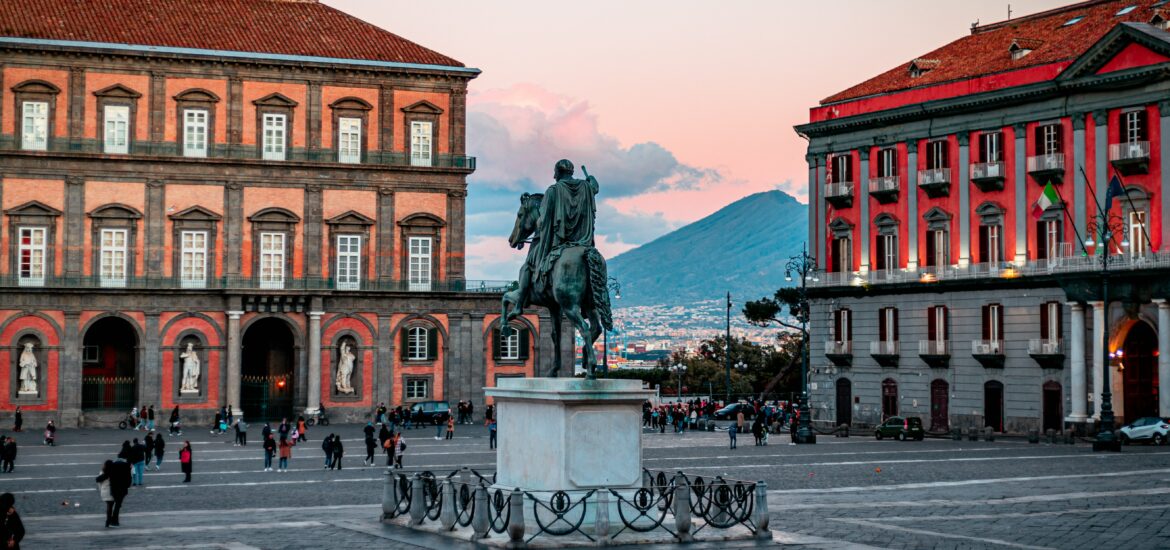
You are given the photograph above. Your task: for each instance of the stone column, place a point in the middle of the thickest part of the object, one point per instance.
(1077, 176)
(814, 222)
(964, 200)
(864, 222)
(233, 359)
(1098, 361)
(312, 230)
(1163, 356)
(314, 385)
(820, 209)
(1077, 353)
(1164, 145)
(912, 205)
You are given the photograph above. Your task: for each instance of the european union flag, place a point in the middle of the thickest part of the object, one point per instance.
(1115, 190)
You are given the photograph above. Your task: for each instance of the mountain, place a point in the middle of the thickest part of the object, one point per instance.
(742, 248)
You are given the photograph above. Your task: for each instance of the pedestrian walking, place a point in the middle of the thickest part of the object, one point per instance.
(17, 420)
(731, 431)
(371, 443)
(327, 446)
(174, 422)
(269, 452)
(50, 434)
(266, 431)
(758, 431)
(103, 482)
(338, 452)
(285, 454)
(407, 418)
(11, 528)
(242, 432)
(386, 440)
(159, 448)
(400, 448)
(492, 434)
(230, 416)
(120, 479)
(9, 454)
(150, 418)
(148, 442)
(450, 428)
(137, 461)
(185, 461)
(302, 430)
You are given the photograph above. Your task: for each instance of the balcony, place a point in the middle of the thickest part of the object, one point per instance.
(884, 352)
(1047, 352)
(935, 353)
(840, 353)
(989, 353)
(1130, 158)
(884, 189)
(244, 284)
(988, 176)
(1045, 168)
(840, 194)
(935, 181)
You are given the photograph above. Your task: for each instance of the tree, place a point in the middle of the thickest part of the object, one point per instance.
(768, 311)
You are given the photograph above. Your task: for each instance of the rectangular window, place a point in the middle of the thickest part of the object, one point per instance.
(117, 136)
(420, 143)
(887, 252)
(938, 248)
(888, 163)
(936, 324)
(1138, 245)
(195, 133)
(417, 388)
(419, 263)
(1048, 139)
(349, 262)
(842, 256)
(991, 244)
(274, 136)
(936, 155)
(193, 259)
(1133, 126)
(1048, 235)
(1050, 322)
(510, 344)
(32, 256)
(888, 328)
(272, 260)
(990, 147)
(416, 344)
(349, 140)
(34, 134)
(842, 325)
(842, 168)
(993, 322)
(113, 257)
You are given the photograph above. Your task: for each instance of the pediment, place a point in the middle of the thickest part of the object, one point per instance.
(33, 208)
(196, 213)
(197, 95)
(352, 103)
(1127, 46)
(840, 224)
(117, 90)
(36, 87)
(274, 214)
(936, 214)
(884, 219)
(115, 210)
(423, 107)
(275, 100)
(423, 219)
(350, 218)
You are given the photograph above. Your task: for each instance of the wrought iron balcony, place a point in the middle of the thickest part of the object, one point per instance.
(988, 176)
(1044, 168)
(839, 194)
(884, 189)
(988, 352)
(935, 353)
(935, 181)
(1130, 158)
(884, 352)
(1047, 352)
(840, 353)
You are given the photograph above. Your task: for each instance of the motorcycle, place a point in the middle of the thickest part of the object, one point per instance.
(130, 422)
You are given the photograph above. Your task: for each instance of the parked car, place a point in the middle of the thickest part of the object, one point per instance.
(729, 412)
(1151, 428)
(435, 412)
(900, 428)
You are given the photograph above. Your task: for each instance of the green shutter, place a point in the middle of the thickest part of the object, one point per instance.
(403, 339)
(432, 343)
(496, 344)
(524, 344)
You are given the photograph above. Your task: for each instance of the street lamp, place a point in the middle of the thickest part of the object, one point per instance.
(616, 287)
(803, 266)
(680, 370)
(727, 352)
(1103, 226)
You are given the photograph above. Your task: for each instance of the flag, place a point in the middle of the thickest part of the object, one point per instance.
(1048, 197)
(1115, 190)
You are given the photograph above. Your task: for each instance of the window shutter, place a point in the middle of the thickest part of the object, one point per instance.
(880, 250)
(882, 324)
(946, 157)
(837, 325)
(986, 316)
(930, 155)
(946, 322)
(984, 246)
(1059, 138)
(931, 324)
(1044, 321)
(1041, 241)
(895, 324)
(404, 339)
(999, 322)
(849, 324)
(1059, 322)
(524, 343)
(496, 336)
(1123, 127)
(432, 343)
(1142, 126)
(930, 252)
(1038, 140)
(835, 257)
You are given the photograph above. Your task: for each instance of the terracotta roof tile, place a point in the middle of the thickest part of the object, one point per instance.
(287, 27)
(985, 50)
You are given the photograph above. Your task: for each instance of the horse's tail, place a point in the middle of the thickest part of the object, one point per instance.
(599, 283)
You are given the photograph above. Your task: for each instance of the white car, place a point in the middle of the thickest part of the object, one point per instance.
(1150, 428)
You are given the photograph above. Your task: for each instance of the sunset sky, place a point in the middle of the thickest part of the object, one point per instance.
(678, 107)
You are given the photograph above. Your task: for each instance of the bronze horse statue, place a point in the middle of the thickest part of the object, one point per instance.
(574, 288)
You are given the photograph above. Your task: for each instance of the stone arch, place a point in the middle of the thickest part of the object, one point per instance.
(215, 325)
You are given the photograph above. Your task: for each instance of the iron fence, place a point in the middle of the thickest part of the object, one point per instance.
(108, 392)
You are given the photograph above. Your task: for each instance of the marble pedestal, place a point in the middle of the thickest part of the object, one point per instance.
(564, 434)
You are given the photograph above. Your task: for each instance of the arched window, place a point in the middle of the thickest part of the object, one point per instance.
(419, 343)
(512, 344)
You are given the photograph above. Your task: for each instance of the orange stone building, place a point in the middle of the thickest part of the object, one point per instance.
(205, 203)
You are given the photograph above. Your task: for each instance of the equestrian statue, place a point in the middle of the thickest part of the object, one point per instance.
(563, 271)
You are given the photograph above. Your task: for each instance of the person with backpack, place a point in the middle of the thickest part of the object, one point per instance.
(492, 433)
(159, 448)
(285, 454)
(269, 451)
(338, 452)
(185, 461)
(327, 446)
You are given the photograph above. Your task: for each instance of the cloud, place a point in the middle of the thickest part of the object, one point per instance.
(518, 133)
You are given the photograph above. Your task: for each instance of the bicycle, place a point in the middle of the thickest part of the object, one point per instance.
(129, 421)
(316, 419)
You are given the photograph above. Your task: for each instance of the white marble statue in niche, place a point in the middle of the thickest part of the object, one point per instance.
(28, 370)
(190, 370)
(345, 360)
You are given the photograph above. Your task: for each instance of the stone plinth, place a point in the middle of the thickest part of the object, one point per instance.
(568, 433)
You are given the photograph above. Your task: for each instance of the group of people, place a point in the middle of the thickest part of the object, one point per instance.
(126, 470)
(464, 410)
(143, 417)
(272, 447)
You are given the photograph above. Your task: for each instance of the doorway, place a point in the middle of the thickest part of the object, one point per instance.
(993, 405)
(889, 398)
(1139, 373)
(267, 374)
(844, 402)
(109, 367)
(939, 405)
(1053, 409)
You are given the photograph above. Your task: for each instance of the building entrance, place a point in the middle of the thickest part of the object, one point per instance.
(109, 368)
(939, 405)
(267, 375)
(1139, 373)
(844, 402)
(1053, 411)
(993, 405)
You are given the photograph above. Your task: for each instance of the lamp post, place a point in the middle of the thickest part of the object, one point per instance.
(616, 287)
(1102, 227)
(727, 352)
(803, 266)
(680, 370)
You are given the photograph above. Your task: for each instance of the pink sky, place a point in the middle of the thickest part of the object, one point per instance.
(719, 85)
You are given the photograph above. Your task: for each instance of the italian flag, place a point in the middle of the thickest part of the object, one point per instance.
(1048, 197)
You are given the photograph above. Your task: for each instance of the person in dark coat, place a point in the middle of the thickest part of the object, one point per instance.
(269, 451)
(338, 452)
(124, 454)
(17, 420)
(327, 446)
(159, 448)
(371, 443)
(185, 461)
(137, 461)
(148, 442)
(385, 436)
(120, 479)
(11, 528)
(9, 454)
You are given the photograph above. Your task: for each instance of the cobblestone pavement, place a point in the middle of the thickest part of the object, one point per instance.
(840, 493)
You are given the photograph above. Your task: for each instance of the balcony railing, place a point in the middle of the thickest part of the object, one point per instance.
(1044, 167)
(1045, 346)
(839, 348)
(933, 347)
(986, 347)
(935, 181)
(839, 194)
(883, 347)
(323, 284)
(884, 189)
(988, 176)
(1130, 158)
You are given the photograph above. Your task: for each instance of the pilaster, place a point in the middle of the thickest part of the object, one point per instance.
(312, 231)
(912, 205)
(863, 223)
(74, 227)
(314, 377)
(1076, 349)
(478, 362)
(235, 112)
(385, 230)
(155, 227)
(456, 222)
(69, 371)
(314, 115)
(76, 107)
(1163, 358)
(384, 374)
(233, 228)
(814, 199)
(150, 381)
(1164, 146)
(1020, 131)
(964, 200)
(158, 105)
(233, 359)
(1098, 360)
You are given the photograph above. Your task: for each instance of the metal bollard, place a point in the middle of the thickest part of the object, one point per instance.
(480, 520)
(956, 434)
(1033, 436)
(389, 495)
(1069, 437)
(710, 425)
(465, 475)
(447, 507)
(761, 512)
(418, 508)
(516, 521)
(988, 433)
(601, 518)
(972, 434)
(1051, 434)
(682, 510)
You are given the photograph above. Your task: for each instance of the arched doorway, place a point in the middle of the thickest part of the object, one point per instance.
(109, 365)
(940, 405)
(993, 405)
(889, 398)
(1140, 373)
(1053, 399)
(267, 373)
(844, 402)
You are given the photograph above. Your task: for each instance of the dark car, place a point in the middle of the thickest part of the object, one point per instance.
(435, 412)
(729, 412)
(900, 428)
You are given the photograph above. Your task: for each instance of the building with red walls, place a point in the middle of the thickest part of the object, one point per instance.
(943, 293)
(263, 181)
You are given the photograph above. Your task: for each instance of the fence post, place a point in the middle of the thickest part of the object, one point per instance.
(516, 521)
(418, 508)
(480, 518)
(682, 509)
(465, 475)
(601, 518)
(761, 511)
(447, 508)
(389, 496)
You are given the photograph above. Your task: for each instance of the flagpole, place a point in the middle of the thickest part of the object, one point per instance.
(1101, 211)
(1064, 207)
